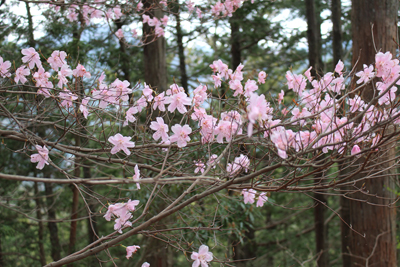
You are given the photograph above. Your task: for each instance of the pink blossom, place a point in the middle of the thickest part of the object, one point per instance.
(207, 125)
(4, 66)
(121, 143)
(41, 77)
(257, 110)
(31, 57)
(200, 166)
(212, 161)
(139, 6)
(280, 96)
(67, 98)
(159, 102)
(262, 198)
(148, 92)
(250, 87)
(382, 63)
(198, 114)
(308, 74)
(57, 59)
(80, 71)
(366, 74)
(161, 129)
(199, 13)
(202, 257)
(261, 77)
(117, 12)
(240, 163)
(120, 90)
(355, 150)
(181, 134)
(134, 33)
(119, 34)
(296, 82)
(146, 264)
(236, 86)
(129, 115)
(178, 101)
(136, 177)
(72, 16)
(83, 107)
(164, 20)
(249, 195)
(62, 75)
(190, 6)
(131, 250)
(200, 95)
(174, 89)
(339, 67)
(42, 157)
(20, 74)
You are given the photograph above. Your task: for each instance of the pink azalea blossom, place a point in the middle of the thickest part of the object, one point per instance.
(178, 101)
(131, 250)
(139, 6)
(67, 98)
(308, 74)
(129, 115)
(202, 257)
(164, 20)
(181, 134)
(212, 161)
(159, 102)
(200, 166)
(280, 96)
(250, 87)
(120, 90)
(57, 59)
(146, 264)
(261, 77)
(148, 92)
(136, 177)
(339, 67)
(20, 74)
(240, 163)
(161, 129)
(249, 195)
(31, 57)
(262, 198)
(4, 66)
(119, 34)
(236, 86)
(366, 74)
(42, 77)
(355, 150)
(80, 71)
(83, 107)
(121, 143)
(42, 157)
(62, 75)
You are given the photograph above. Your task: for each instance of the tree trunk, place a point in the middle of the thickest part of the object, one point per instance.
(336, 18)
(313, 38)
(235, 41)
(124, 57)
(53, 229)
(155, 66)
(372, 215)
(181, 52)
(42, 254)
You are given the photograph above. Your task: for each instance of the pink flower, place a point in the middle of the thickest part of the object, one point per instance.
(32, 57)
(80, 71)
(42, 157)
(200, 166)
(119, 34)
(236, 86)
(161, 129)
(83, 107)
(20, 74)
(240, 163)
(261, 77)
(202, 257)
(121, 143)
(131, 250)
(62, 75)
(355, 150)
(164, 20)
(159, 102)
(308, 74)
(339, 67)
(67, 97)
(366, 74)
(129, 115)
(148, 92)
(249, 195)
(178, 101)
(280, 96)
(139, 6)
(4, 66)
(181, 134)
(57, 59)
(262, 198)
(120, 90)
(250, 87)
(136, 177)
(146, 264)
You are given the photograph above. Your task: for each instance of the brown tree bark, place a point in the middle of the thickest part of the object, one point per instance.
(236, 54)
(181, 52)
(313, 37)
(336, 17)
(374, 25)
(42, 254)
(53, 229)
(155, 66)
(124, 57)
(315, 61)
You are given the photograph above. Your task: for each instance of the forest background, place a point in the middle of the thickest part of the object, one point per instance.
(44, 222)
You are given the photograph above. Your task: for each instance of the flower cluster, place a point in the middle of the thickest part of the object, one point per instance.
(122, 213)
